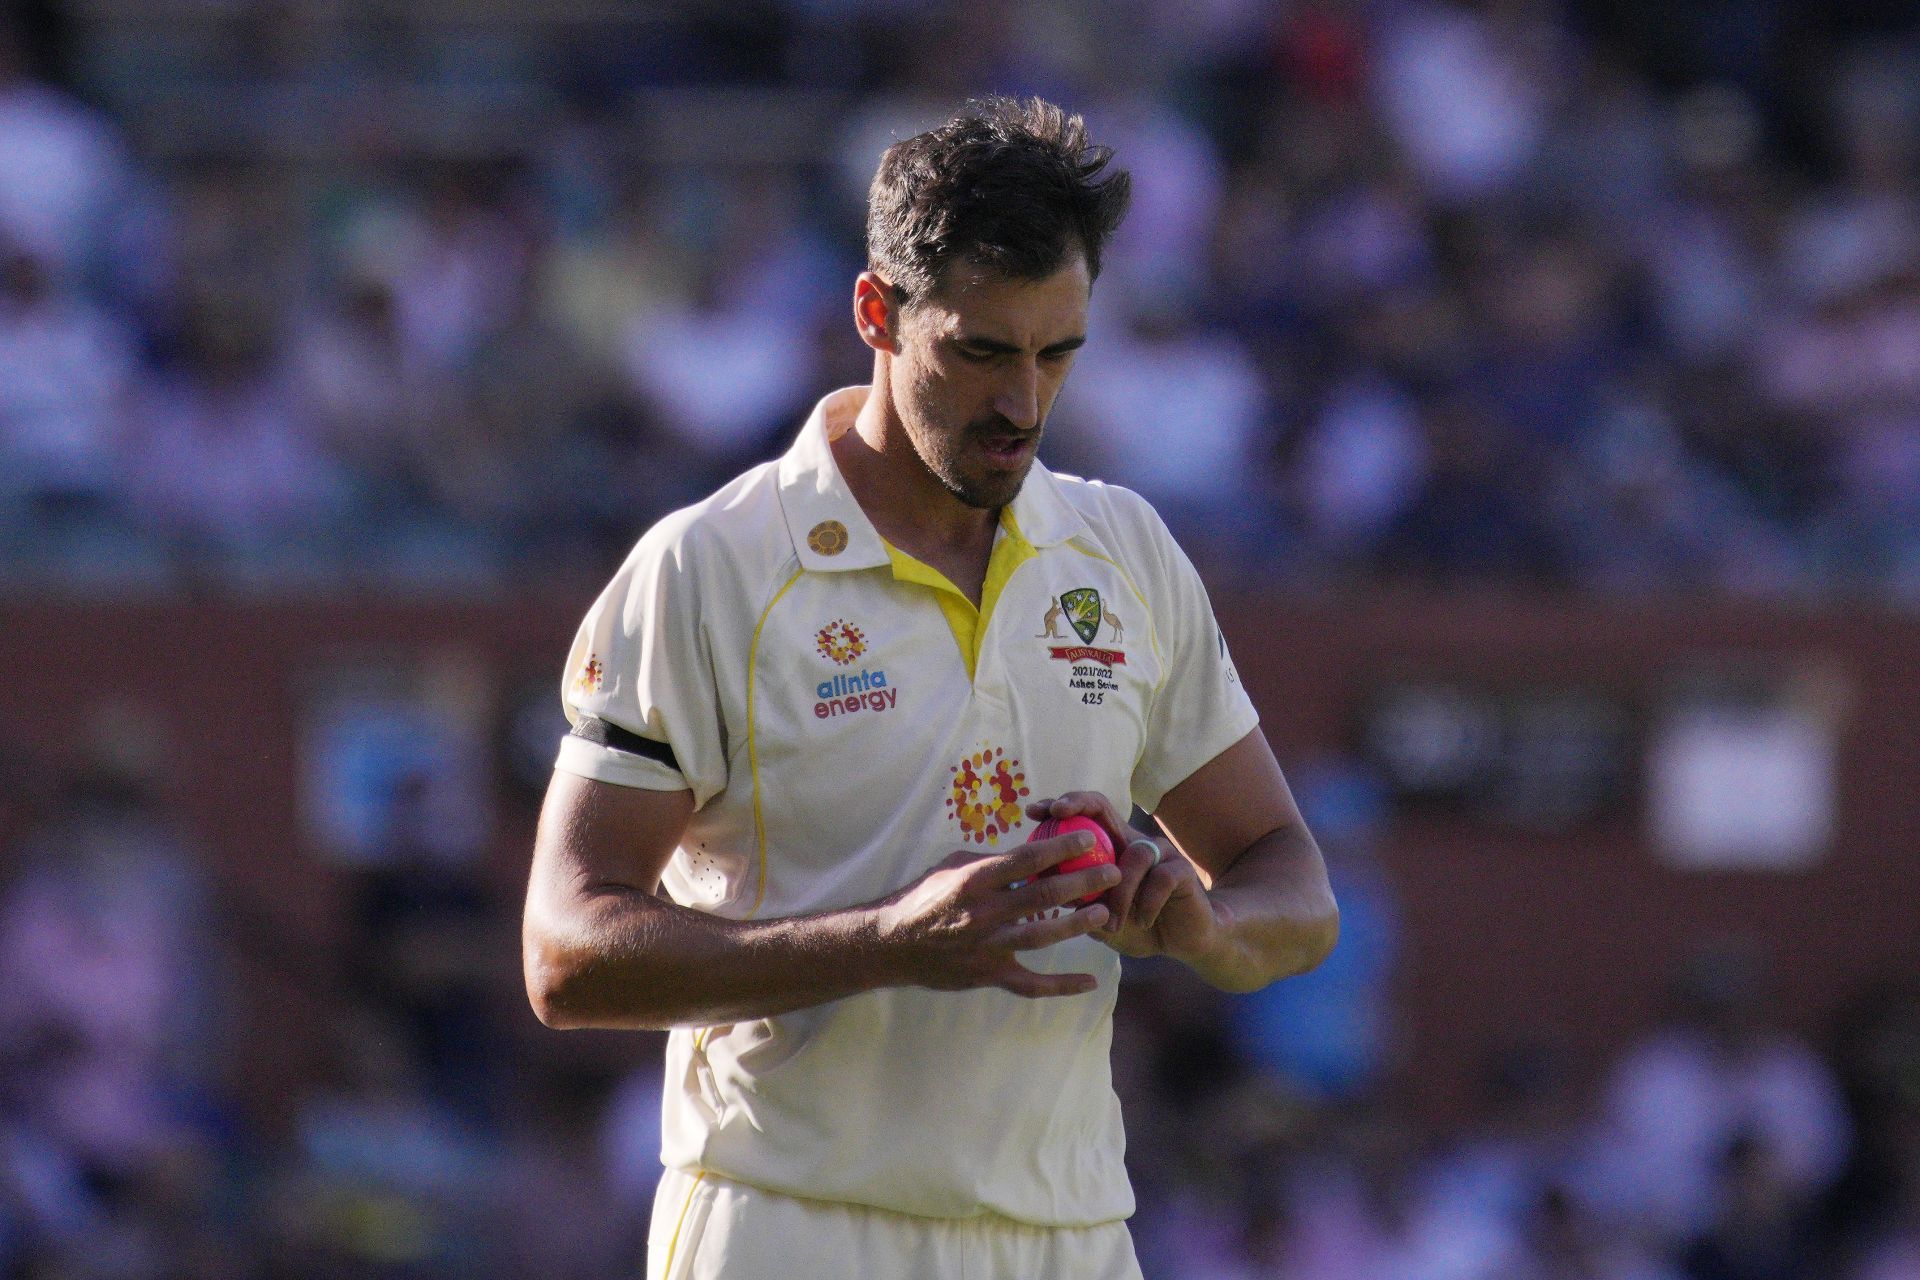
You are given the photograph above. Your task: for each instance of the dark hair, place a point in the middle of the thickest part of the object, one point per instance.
(1011, 186)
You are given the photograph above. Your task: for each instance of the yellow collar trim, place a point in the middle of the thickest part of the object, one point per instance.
(968, 624)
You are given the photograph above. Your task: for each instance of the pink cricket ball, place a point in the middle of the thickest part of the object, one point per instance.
(1102, 850)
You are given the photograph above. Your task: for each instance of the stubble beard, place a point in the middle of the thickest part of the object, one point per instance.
(944, 452)
(944, 458)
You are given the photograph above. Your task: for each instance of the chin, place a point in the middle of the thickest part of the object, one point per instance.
(987, 494)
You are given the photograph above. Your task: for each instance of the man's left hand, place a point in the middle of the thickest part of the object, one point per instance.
(1160, 906)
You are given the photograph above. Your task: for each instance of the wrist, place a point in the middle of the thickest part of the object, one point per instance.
(1216, 954)
(879, 952)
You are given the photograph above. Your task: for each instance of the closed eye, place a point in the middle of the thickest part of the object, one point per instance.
(979, 352)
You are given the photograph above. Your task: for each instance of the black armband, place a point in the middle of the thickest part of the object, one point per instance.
(605, 734)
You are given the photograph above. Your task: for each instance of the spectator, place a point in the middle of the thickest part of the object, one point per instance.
(720, 367)
(1330, 1034)
(107, 1066)
(451, 258)
(1760, 1227)
(1563, 1241)
(1717, 1118)
(1178, 414)
(421, 941)
(382, 1179)
(63, 168)
(226, 464)
(1473, 517)
(1466, 91)
(66, 370)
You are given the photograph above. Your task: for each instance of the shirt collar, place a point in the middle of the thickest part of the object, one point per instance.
(829, 530)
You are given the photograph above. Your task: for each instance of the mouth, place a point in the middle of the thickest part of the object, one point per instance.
(1009, 451)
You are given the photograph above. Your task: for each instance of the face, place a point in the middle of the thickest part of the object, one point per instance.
(975, 372)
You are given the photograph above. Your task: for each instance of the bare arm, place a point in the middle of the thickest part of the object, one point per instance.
(601, 948)
(1243, 899)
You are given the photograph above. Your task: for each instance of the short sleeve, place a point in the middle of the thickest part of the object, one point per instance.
(640, 689)
(1201, 708)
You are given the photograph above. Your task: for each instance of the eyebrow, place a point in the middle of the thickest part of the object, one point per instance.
(994, 347)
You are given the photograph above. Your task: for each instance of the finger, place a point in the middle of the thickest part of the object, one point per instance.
(1155, 892)
(1090, 804)
(1096, 806)
(1069, 805)
(1137, 859)
(1030, 859)
(1023, 981)
(1087, 804)
(1033, 933)
(1048, 892)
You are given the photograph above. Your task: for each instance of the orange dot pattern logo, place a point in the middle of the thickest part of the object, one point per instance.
(590, 674)
(985, 795)
(840, 641)
(828, 538)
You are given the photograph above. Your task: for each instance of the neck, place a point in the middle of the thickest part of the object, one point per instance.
(908, 506)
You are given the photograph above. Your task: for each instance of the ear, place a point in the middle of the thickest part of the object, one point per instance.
(876, 312)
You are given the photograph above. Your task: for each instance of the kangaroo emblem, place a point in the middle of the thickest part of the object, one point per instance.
(1053, 624)
(1113, 620)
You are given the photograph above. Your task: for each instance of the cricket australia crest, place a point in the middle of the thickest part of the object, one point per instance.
(1086, 613)
(1083, 611)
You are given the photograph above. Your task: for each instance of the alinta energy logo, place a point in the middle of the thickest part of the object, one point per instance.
(985, 793)
(840, 641)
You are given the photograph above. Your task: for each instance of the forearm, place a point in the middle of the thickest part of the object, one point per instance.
(620, 958)
(601, 949)
(1275, 914)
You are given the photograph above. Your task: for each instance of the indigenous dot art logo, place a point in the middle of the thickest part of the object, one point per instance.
(840, 641)
(828, 538)
(985, 795)
(589, 681)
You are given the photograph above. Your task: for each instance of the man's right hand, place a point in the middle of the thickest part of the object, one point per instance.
(603, 949)
(960, 925)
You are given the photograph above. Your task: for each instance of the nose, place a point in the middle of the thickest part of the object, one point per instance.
(1017, 398)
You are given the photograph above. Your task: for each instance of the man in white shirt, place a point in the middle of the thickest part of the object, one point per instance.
(823, 711)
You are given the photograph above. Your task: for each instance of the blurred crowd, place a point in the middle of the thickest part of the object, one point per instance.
(443, 1133)
(1622, 297)
(1269, 1139)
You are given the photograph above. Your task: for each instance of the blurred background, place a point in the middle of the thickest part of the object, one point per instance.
(1537, 383)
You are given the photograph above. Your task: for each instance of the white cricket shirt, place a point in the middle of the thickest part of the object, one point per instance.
(845, 719)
